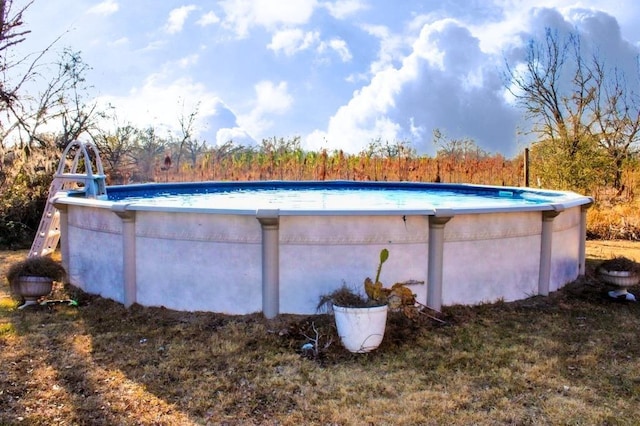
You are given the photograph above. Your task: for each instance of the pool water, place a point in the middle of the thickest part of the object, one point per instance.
(341, 198)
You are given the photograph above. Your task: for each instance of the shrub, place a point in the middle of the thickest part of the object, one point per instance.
(22, 201)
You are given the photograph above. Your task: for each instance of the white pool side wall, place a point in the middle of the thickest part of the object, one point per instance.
(95, 261)
(320, 253)
(213, 262)
(491, 256)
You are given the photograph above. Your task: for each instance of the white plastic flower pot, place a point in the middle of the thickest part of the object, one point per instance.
(361, 329)
(31, 288)
(621, 279)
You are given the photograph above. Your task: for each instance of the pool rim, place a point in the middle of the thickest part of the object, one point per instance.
(566, 199)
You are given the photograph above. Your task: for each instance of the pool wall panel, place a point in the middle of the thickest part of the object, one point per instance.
(319, 253)
(565, 248)
(208, 263)
(491, 256)
(95, 265)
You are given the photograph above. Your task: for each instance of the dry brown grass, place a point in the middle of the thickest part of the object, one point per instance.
(614, 221)
(570, 358)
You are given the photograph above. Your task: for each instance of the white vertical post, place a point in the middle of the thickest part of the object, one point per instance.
(436, 258)
(583, 238)
(546, 240)
(128, 252)
(270, 223)
(63, 211)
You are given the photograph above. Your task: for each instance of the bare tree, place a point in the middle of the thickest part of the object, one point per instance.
(194, 149)
(77, 115)
(148, 148)
(555, 89)
(17, 108)
(12, 33)
(578, 105)
(61, 88)
(187, 127)
(457, 150)
(63, 99)
(117, 148)
(616, 114)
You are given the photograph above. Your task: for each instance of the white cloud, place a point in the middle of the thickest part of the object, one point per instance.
(177, 18)
(160, 103)
(392, 47)
(451, 79)
(122, 41)
(364, 118)
(271, 99)
(445, 82)
(105, 8)
(188, 61)
(154, 45)
(292, 41)
(236, 134)
(208, 18)
(342, 9)
(242, 15)
(339, 46)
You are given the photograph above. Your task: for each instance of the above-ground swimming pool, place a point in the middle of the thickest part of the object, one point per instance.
(276, 246)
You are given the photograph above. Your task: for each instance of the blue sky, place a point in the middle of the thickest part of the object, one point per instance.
(337, 73)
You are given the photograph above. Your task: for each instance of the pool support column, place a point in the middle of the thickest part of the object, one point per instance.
(582, 261)
(63, 211)
(436, 257)
(128, 252)
(546, 240)
(270, 223)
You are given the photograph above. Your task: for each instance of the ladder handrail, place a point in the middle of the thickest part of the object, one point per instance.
(80, 151)
(48, 235)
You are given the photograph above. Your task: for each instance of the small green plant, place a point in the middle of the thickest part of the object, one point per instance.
(398, 296)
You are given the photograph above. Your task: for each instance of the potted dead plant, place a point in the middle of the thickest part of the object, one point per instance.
(33, 278)
(361, 319)
(621, 272)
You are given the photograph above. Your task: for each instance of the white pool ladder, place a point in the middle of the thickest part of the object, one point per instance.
(87, 185)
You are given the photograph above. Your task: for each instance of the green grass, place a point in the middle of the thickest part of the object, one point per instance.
(570, 358)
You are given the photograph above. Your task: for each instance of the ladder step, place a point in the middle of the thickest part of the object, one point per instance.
(47, 251)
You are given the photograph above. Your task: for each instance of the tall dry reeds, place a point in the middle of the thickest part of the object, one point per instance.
(337, 165)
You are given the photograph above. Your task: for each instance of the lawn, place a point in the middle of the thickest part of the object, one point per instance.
(570, 358)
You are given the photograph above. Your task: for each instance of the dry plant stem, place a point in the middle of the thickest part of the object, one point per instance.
(315, 341)
(423, 307)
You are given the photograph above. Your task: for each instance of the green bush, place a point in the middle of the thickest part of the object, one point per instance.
(22, 202)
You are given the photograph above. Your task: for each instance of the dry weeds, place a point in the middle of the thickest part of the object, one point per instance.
(570, 358)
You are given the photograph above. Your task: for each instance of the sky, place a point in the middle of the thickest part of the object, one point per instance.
(339, 74)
